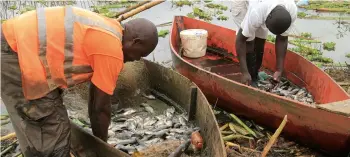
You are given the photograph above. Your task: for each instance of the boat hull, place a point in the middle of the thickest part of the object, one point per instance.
(327, 131)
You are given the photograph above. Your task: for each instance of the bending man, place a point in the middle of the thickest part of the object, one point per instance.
(48, 49)
(254, 19)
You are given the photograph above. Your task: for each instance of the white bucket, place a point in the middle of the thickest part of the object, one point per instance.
(194, 42)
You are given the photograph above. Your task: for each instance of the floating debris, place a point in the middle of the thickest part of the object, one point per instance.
(163, 33)
(329, 46)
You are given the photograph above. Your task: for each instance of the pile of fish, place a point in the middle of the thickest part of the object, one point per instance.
(135, 129)
(284, 88)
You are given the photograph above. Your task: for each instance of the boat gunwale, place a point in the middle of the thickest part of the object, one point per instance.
(175, 52)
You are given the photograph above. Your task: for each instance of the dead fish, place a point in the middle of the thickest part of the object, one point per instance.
(160, 123)
(179, 131)
(147, 108)
(309, 100)
(170, 112)
(169, 123)
(119, 119)
(153, 141)
(160, 117)
(182, 120)
(128, 141)
(170, 138)
(126, 148)
(128, 111)
(160, 133)
(161, 127)
(301, 92)
(294, 91)
(111, 133)
(131, 124)
(149, 121)
(145, 138)
(177, 125)
(140, 147)
(119, 127)
(284, 92)
(290, 89)
(150, 97)
(124, 135)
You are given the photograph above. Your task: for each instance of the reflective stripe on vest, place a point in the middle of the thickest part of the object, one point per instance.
(69, 20)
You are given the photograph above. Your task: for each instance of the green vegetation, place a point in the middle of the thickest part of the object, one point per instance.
(329, 46)
(208, 1)
(271, 38)
(301, 14)
(306, 35)
(219, 12)
(163, 33)
(307, 47)
(216, 6)
(197, 12)
(181, 3)
(347, 55)
(330, 6)
(13, 7)
(26, 9)
(222, 18)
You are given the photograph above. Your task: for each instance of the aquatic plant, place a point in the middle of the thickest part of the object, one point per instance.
(202, 14)
(301, 14)
(329, 6)
(191, 15)
(347, 55)
(329, 46)
(222, 18)
(216, 6)
(306, 35)
(13, 7)
(181, 3)
(208, 1)
(163, 33)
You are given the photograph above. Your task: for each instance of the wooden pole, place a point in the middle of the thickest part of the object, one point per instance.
(274, 137)
(131, 8)
(139, 9)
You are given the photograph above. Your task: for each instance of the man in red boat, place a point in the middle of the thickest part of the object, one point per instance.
(255, 18)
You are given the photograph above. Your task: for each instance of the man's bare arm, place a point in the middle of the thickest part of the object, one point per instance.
(99, 112)
(281, 49)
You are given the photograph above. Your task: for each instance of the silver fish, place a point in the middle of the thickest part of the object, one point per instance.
(131, 124)
(111, 133)
(160, 117)
(145, 138)
(140, 147)
(128, 111)
(149, 121)
(147, 108)
(153, 141)
(182, 120)
(124, 135)
(170, 112)
(160, 123)
(294, 91)
(169, 123)
(179, 131)
(128, 141)
(160, 133)
(150, 97)
(177, 125)
(170, 138)
(126, 148)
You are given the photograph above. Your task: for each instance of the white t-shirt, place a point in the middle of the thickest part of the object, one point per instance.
(257, 12)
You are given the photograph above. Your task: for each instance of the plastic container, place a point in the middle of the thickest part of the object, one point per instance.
(194, 42)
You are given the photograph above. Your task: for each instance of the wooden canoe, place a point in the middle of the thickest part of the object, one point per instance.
(166, 85)
(325, 126)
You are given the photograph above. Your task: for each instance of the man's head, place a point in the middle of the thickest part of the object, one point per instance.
(140, 39)
(279, 20)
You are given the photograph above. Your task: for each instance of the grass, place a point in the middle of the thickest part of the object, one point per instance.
(163, 33)
(216, 6)
(26, 9)
(208, 1)
(329, 46)
(271, 38)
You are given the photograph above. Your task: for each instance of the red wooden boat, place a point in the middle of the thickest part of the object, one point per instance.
(325, 126)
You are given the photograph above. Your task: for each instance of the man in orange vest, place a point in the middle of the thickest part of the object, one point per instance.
(48, 49)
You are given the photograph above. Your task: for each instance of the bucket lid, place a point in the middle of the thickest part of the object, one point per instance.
(196, 32)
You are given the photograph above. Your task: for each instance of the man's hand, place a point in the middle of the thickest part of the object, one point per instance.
(246, 79)
(277, 76)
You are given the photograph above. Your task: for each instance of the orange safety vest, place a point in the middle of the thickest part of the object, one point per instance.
(48, 42)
